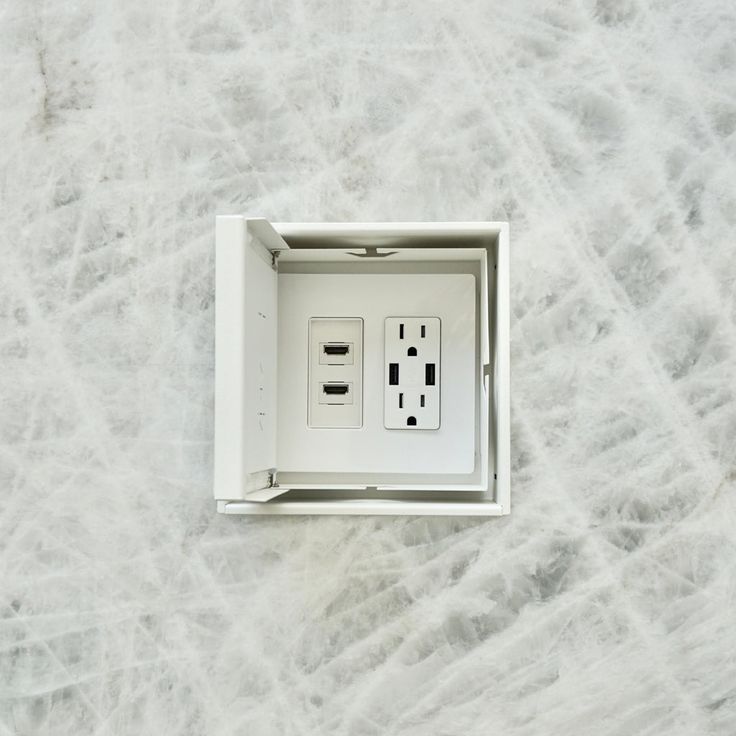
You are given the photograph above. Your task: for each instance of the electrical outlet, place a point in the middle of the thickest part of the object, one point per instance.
(412, 373)
(335, 373)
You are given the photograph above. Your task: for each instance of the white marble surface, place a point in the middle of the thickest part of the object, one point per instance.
(604, 132)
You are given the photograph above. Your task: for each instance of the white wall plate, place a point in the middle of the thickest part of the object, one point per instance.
(322, 405)
(302, 447)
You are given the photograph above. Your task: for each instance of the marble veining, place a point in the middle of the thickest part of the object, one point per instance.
(604, 132)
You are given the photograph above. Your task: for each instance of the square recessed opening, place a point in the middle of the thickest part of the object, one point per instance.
(361, 368)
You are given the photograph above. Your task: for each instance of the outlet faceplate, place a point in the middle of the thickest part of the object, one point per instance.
(335, 373)
(374, 450)
(412, 372)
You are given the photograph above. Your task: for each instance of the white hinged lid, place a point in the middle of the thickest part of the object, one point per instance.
(246, 320)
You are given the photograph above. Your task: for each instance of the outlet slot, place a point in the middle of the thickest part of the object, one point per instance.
(411, 422)
(401, 331)
(335, 348)
(412, 352)
(336, 353)
(335, 389)
(335, 393)
(401, 401)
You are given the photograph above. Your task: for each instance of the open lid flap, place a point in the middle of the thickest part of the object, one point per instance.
(246, 361)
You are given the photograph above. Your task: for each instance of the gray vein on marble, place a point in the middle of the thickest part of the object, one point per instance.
(604, 132)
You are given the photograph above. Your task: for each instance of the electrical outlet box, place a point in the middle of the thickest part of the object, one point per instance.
(361, 368)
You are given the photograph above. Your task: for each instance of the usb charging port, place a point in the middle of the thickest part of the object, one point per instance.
(335, 389)
(429, 374)
(393, 374)
(336, 348)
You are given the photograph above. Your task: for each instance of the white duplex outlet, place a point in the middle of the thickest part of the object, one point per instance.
(412, 373)
(335, 373)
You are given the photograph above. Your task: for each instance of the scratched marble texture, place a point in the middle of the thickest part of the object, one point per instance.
(604, 132)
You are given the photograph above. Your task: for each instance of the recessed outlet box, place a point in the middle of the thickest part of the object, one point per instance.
(361, 368)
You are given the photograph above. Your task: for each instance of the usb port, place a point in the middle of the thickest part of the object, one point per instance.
(429, 374)
(393, 374)
(336, 348)
(335, 389)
